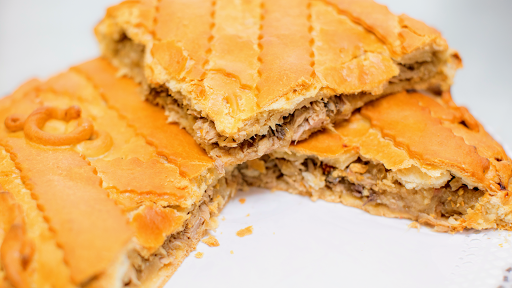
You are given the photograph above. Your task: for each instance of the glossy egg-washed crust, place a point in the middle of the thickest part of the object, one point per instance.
(70, 214)
(244, 64)
(431, 133)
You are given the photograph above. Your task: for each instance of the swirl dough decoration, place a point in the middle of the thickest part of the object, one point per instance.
(88, 141)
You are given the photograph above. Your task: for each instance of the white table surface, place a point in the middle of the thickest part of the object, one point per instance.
(297, 242)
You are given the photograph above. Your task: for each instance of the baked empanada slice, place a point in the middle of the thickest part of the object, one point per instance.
(97, 189)
(247, 77)
(408, 155)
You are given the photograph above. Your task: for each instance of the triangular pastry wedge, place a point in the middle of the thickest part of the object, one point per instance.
(247, 77)
(408, 155)
(97, 189)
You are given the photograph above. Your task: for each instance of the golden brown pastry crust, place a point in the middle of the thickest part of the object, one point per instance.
(244, 65)
(90, 204)
(430, 135)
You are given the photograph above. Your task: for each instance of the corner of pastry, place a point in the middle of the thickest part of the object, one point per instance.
(409, 155)
(99, 190)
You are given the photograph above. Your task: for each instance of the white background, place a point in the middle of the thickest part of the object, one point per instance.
(298, 243)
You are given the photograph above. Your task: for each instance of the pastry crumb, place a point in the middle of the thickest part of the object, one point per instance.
(414, 225)
(247, 215)
(211, 241)
(244, 232)
(231, 252)
(223, 218)
(199, 255)
(241, 200)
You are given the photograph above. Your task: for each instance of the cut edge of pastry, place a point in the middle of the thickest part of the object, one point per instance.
(41, 257)
(465, 186)
(125, 42)
(178, 246)
(130, 268)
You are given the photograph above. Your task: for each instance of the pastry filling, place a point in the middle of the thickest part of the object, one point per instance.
(177, 246)
(294, 127)
(281, 128)
(369, 182)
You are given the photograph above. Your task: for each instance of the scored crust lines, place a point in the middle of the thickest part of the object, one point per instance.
(210, 39)
(351, 17)
(331, 3)
(28, 187)
(260, 46)
(39, 206)
(312, 40)
(155, 19)
(150, 143)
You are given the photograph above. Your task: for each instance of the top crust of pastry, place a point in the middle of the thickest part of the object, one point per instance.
(172, 142)
(238, 62)
(128, 186)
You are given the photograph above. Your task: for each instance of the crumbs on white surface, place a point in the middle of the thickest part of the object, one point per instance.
(241, 200)
(414, 225)
(223, 218)
(199, 255)
(247, 215)
(244, 232)
(211, 241)
(231, 252)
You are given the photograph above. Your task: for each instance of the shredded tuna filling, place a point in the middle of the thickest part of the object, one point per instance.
(294, 127)
(282, 129)
(178, 245)
(372, 183)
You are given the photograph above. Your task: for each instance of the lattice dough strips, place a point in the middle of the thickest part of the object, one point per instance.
(407, 155)
(247, 77)
(97, 189)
